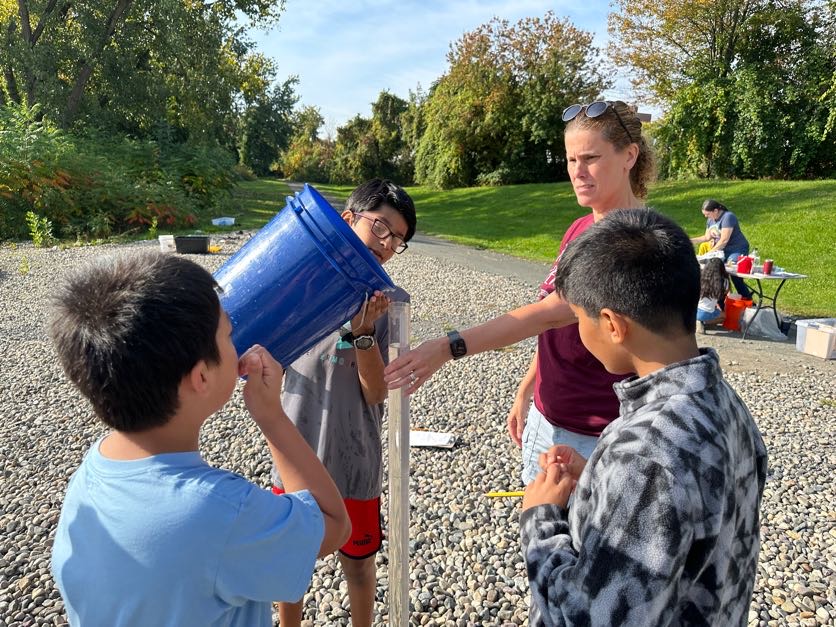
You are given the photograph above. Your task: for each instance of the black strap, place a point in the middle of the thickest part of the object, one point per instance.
(350, 337)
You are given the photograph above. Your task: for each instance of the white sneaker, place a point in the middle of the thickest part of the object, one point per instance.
(700, 327)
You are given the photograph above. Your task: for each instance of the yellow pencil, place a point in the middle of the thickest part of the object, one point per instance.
(498, 494)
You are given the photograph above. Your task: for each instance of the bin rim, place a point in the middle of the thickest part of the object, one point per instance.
(310, 194)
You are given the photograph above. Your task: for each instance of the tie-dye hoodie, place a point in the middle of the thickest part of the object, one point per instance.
(664, 526)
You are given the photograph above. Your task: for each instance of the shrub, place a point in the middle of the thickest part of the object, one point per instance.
(307, 160)
(40, 230)
(97, 185)
(244, 172)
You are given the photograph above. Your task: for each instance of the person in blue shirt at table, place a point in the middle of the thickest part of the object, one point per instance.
(722, 230)
(149, 533)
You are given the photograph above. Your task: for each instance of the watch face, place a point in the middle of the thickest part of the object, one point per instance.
(458, 348)
(364, 342)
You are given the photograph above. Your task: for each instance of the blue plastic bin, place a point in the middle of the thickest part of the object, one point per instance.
(298, 279)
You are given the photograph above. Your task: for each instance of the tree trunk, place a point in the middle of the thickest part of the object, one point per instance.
(74, 100)
(8, 71)
(26, 35)
(11, 84)
(36, 34)
(30, 38)
(25, 27)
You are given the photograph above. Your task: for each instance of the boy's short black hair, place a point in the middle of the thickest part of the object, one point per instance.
(128, 328)
(372, 194)
(639, 264)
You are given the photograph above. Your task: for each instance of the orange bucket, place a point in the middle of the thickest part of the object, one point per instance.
(734, 309)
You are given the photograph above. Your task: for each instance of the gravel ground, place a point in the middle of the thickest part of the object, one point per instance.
(466, 567)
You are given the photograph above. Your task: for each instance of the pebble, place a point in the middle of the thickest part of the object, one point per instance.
(465, 566)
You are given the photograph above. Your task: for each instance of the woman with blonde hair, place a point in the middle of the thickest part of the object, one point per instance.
(610, 165)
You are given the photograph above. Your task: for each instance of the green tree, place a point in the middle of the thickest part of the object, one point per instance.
(130, 64)
(745, 83)
(267, 126)
(666, 44)
(308, 158)
(307, 122)
(366, 148)
(494, 117)
(413, 126)
(356, 154)
(388, 118)
(785, 70)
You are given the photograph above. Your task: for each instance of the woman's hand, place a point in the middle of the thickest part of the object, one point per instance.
(725, 236)
(409, 371)
(516, 419)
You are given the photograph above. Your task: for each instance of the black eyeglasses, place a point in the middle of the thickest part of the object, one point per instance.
(594, 110)
(381, 230)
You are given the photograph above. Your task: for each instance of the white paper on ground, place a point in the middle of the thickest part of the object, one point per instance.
(434, 439)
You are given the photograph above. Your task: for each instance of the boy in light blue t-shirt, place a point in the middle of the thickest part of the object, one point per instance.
(149, 533)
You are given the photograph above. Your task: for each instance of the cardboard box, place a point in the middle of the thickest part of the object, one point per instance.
(817, 337)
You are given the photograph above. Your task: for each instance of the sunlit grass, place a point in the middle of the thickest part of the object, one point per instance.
(259, 200)
(791, 222)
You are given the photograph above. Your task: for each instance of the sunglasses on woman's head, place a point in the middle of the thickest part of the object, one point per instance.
(594, 110)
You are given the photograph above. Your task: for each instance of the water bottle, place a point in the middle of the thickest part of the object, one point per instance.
(756, 260)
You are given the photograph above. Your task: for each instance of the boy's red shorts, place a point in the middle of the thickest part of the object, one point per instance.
(366, 533)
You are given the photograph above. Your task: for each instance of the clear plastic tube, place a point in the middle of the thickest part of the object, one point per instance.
(399, 330)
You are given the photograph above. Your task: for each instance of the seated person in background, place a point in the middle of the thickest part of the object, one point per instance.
(722, 231)
(714, 285)
(664, 528)
(149, 533)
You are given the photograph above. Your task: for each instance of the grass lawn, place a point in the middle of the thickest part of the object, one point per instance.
(791, 222)
(260, 200)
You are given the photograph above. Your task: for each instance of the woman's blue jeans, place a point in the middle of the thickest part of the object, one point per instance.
(739, 284)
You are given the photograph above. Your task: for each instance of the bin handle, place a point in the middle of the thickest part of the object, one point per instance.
(327, 254)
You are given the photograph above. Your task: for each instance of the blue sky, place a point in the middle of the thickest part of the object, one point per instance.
(345, 52)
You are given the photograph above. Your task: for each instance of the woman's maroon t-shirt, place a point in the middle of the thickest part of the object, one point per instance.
(572, 389)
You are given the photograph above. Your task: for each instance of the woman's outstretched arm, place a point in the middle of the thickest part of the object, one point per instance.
(411, 370)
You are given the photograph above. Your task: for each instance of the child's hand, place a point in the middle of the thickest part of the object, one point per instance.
(552, 486)
(376, 307)
(262, 391)
(568, 458)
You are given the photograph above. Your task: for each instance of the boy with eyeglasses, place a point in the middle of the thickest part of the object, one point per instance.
(334, 395)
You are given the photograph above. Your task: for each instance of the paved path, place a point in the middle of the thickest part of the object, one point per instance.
(529, 272)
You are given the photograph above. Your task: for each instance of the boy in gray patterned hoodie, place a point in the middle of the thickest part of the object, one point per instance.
(663, 529)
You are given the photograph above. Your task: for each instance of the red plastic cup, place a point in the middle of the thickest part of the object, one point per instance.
(767, 266)
(744, 265)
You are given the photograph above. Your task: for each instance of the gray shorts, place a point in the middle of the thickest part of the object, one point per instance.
(540, 435)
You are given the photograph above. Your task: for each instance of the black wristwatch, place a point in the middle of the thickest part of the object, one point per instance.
(457, 346)
(360, 342)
